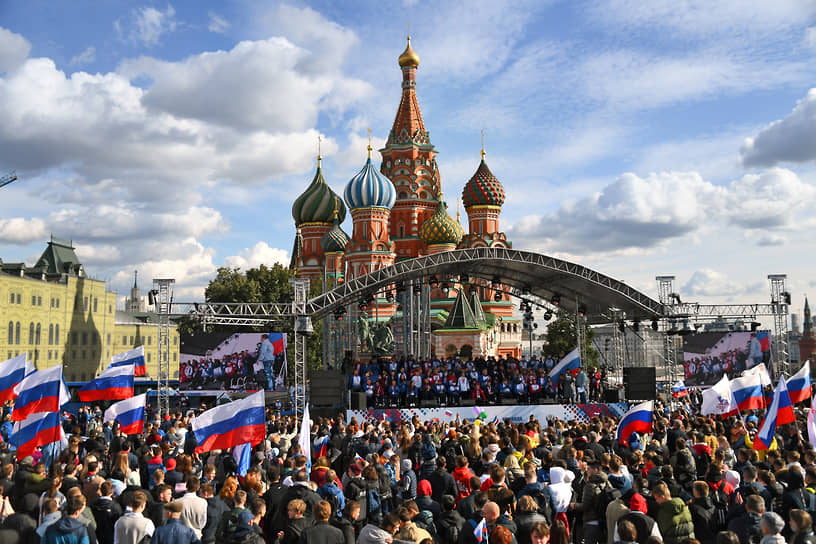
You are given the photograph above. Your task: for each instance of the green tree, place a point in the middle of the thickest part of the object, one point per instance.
(562, 338)
(262, 284)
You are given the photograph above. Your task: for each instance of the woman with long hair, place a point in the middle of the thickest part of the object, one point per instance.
(132, 477)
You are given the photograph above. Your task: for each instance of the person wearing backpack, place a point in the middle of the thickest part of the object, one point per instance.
(595, 486)
(373, 500)
(748, 527)
(535, 489)
(332, 493)
(450, 522)
(702, 513)
(720, 493)
(231, 521)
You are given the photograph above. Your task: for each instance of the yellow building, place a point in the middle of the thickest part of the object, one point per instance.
(57, 314)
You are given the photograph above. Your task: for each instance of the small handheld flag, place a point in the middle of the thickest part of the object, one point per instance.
(480, 531)
(779, 412)
(637, 420)
(679, 390)
(304, 440)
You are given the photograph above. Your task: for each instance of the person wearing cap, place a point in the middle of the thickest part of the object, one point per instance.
(173, 531)
(772, 525)
(408, 483)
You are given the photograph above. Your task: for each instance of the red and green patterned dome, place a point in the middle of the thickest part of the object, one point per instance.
(483, 189)
(441, 228)
(335, 240)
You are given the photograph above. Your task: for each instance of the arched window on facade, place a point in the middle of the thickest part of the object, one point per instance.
(38, 334)
(17, 333)
(31, 333)
(11, 333)
(56, 333)
(50, 334)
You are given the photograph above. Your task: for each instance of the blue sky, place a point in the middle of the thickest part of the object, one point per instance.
(638, 138)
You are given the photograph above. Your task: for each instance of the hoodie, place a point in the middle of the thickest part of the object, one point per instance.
(559, 490)
(674, 521)
(67, 530)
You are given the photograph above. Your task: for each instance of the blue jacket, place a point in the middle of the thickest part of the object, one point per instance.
(173, 532)
(66, 531)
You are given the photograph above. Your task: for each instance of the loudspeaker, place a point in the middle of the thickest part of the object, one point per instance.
(358, 401)
(327, 387)
(612, 395)
(640, 383)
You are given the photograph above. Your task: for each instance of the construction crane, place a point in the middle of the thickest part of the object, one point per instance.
(8, 178)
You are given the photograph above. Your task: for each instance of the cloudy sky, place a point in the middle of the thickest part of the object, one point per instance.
(637, 138)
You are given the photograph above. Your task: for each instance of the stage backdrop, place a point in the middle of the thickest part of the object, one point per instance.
(516, 414)
(219, 362)
(709, 355)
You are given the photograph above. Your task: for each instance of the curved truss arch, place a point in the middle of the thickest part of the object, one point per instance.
(530, 273)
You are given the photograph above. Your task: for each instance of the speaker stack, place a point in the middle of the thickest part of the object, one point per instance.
(640, 383)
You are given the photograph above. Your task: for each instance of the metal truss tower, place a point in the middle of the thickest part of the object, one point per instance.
(302, 327)
(780, 302)
(163, 302)
(580, 333)
(666, 295)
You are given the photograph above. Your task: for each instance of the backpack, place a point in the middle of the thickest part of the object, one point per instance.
(719, 520)
(808, 501)
(608, 495)
(228, 525)
(447, 531)
(374, 502)
(544, 505)
(332, 499)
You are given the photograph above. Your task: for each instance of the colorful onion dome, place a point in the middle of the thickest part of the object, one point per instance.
(369, 188)
(483, 189)
(335, 240)
(318, 202)
(441, 228)
(409, 57)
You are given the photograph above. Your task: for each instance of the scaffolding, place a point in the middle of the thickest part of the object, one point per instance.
(780, 301)
(163, 297)
(666, 295)
(302, 327)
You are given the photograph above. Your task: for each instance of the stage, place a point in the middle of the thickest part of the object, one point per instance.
(515, 413)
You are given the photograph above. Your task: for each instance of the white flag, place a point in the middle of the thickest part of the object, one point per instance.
(762, 372)
(811, 424)
(304, 440)
(717, 399)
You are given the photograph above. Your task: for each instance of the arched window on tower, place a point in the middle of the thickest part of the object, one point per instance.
(11, 333)
(56, 333)
(31, 333)
(17, 333)
(50, 334)
(38, 334)
(401, 230)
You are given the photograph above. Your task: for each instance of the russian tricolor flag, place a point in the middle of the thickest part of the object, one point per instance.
(320, 446)
(779, 413)
(747, 394)
(679, 390)
(480, 531)
(130, 413)
(231, 424)
(571, 361)
(41, 391)
(799, 384)
(278, 340)
(112, 384)
(136, 357)
(448, 413)
(637, 420)
(38, 429)
(12, 372)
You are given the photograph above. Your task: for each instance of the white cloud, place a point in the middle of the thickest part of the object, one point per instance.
(86, 57)
(711, 283)
(810, 37)
(146, 25)
(13, 50)
(257, 255)
(632, 212)
(217, 24)
(22, 231)
(274, 93)
(770, 200)
(792, 139)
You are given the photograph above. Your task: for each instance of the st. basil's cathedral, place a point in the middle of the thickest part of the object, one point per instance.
(399, 213)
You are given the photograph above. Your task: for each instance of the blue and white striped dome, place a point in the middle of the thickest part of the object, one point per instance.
(369, 189)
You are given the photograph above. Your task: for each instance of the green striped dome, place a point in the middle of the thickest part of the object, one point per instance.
(318, 203)
(335, 240)
(441, 228)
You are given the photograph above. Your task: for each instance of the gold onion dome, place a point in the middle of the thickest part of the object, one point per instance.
(483, 189)
(335, 240)
(409, 57)
(318, 203)
(441, 228)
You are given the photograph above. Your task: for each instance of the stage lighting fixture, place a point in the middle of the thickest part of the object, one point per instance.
(389, 296)
(755, 325)
(581, 310)
(622, 325)
(445, 288)
(496, 281)
(548, 316)
(636, 325)
(152, 295)
(655, 325)
(433, 282)
(555, 300)
(417, 289)
(786, 297)
(497, 296)
(525, 290)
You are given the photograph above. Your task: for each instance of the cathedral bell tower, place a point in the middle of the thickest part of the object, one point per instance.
(409, 161)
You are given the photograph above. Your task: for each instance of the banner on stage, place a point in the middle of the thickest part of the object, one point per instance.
(516, 414)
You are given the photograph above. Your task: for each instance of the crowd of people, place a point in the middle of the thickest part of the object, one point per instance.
(392, 383)
(693, 479)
